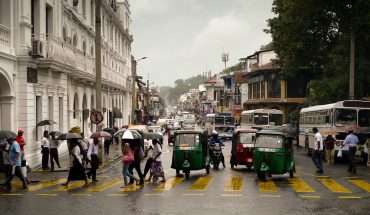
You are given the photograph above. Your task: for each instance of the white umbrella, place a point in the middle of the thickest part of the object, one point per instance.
(131, 135)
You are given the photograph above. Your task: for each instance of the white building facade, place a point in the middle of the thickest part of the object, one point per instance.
(47, 66)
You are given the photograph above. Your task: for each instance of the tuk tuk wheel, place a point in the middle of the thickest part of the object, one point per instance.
(262, 175)
(207, 169)
(187, 174)
(291, 173)
(178, 173)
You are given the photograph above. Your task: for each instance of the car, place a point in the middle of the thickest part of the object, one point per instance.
(225, 132)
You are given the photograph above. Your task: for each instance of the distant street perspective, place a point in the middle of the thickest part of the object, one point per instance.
(184, 107)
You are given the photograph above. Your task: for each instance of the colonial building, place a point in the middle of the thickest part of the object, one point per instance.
(47, 66)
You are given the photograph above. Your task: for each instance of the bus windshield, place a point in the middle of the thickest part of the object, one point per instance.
(229, 120)
(269, 141)
(186, 140)
(276, 118)
(219, 120)
(345, 117)
(261, 119)
(246, 138)
(364, 118)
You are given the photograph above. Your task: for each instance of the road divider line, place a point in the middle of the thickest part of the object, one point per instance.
(267, 186)
(201, 183)
(334, 186)
(311, 197)
(117, 194)
(272, 196)
(361, 184)
(46, 194)
(169, 184)
(81, 194)
(349, 197)
(234, 184)
(71, 186)
(11, 194)
(300, 186)
(43, 185)
(105, 185)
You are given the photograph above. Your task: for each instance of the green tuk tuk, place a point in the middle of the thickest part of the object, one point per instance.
(190, 151)
(273, 153)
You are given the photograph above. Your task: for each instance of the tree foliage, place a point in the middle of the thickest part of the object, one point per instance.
(316, 34)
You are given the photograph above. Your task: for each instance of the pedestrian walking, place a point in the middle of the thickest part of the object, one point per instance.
(92, 155)
(352, 141)
(14, 164)
(156, 170)
(54, 156)
(318, 151)
(85, 144)
(45, 150)
(138, 156)
(148, 164)
(329, 143)
(77, 171)
(367, 145)
(127, 159)
(107, 142)
(21, 142)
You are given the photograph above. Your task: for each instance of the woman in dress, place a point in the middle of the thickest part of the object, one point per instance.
(77, 171)
(127, 159)
(156, 171)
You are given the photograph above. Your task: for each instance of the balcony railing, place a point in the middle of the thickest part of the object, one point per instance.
(4, 35)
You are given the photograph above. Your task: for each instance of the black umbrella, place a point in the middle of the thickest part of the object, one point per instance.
(4, 135)
(69, 135)
(151, 136)
(46, 122)
(55, 133)
(108, 129)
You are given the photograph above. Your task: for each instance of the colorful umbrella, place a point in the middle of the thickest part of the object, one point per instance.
(120, 133)
(100, 134)
(131, 135)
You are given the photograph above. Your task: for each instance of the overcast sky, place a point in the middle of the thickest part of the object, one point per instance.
(182, 38)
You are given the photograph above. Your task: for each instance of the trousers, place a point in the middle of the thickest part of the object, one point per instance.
(317, 159)
(45, 157)
(136, 165)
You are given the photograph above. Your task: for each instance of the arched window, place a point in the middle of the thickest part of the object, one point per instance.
(84, 47)
(64, 34)
(75, 106)
(74, 40)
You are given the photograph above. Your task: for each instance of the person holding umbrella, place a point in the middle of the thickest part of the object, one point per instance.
(45, 150)
(77, 171)
(92, 155)
(54, 143)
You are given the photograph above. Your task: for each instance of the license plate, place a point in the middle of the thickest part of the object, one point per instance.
(266, 150)
(186, 148)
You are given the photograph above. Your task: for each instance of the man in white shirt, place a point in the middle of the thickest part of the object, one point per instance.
(318, 148)
(92, 155)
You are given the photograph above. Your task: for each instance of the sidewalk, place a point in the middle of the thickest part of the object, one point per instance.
(48, 175)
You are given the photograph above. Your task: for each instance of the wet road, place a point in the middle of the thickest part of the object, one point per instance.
(225, 191)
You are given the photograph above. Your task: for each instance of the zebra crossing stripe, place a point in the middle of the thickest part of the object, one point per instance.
(334, 186)
(361, 184)
(169, 184)
(43, 185)
(71, 186)
(267, 186)
(234, 184)
(300, 186)
(201, 183)
(105, 185)
(130, 188)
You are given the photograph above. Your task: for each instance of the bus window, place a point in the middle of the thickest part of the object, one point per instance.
(364, 118)
(345, 117)
(229, 120)
(219, 120)
(276, 118)
(260, 119)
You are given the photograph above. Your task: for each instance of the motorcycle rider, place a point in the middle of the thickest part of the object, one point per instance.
(211, 142)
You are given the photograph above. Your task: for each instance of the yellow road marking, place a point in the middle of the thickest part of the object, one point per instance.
(333, 185)
(310, 197)
(349, 177)
(268, 186)
(231, 195)
(300, 185)
(46, 184)
(76, 194)
(116, 194)
(104, 186)
(201, 183)
(17, 184)
(234, 184)
(71, 186)
(46, 194)
(193, 194)
(11, 194)
(154, 194)
(130, 188)
(169, 184)
(361, 184)
(273, 196)
(349, 197)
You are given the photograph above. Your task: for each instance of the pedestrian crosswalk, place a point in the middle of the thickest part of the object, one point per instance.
(307, 187)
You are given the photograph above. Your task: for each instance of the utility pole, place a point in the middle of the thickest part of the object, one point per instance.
(147, 99)
(352, 68)
(133, 93)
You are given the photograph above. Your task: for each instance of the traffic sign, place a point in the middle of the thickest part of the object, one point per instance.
(96, 117)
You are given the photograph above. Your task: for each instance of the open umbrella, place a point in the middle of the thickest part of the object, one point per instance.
(131, 135)
(354, 128)
(108, 129)
(4, 135)
(69, 135)
(46, 122)
(55, 133)
(151, 136)
(100, 134)
(120, 133)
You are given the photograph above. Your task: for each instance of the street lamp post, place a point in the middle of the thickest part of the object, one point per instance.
(133, 94)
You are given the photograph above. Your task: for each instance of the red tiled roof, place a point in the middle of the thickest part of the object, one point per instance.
(239, 77)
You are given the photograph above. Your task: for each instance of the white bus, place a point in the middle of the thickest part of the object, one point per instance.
(213, 121)
(261, 118)
(333, 119)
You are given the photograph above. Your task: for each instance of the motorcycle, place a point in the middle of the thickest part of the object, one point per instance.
(216, 155)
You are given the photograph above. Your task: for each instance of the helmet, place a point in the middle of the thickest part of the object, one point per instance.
(214, 134)
(20, 131)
